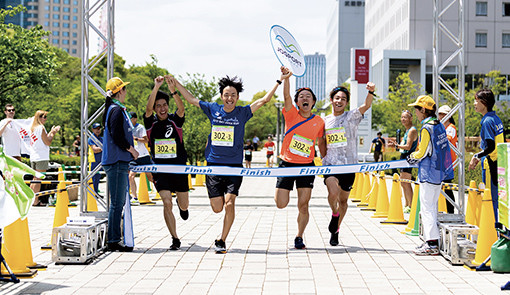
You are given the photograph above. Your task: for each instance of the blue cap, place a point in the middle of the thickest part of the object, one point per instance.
(96, 125)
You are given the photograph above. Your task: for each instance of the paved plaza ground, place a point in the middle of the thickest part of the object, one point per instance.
(372, 258)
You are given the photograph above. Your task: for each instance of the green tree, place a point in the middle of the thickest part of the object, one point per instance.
(26, 59)
(386, 112)
(264, 119)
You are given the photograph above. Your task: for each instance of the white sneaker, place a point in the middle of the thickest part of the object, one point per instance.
(425, 249)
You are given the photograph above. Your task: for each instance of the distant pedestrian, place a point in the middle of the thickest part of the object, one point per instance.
(269, 145)
(77, 146)
(139, 139)
(256, 141)
(378, 147)
(248, 153)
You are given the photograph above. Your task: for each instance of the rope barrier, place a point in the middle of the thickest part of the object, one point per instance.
(51, 181)
(54, 191)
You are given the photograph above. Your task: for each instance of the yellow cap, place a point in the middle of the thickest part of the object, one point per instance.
(115, 84)
(424, 101)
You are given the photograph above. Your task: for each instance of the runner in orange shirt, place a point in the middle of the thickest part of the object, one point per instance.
(269, 145)
(302, 128)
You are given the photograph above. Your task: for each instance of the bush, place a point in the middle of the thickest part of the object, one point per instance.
(65, 160)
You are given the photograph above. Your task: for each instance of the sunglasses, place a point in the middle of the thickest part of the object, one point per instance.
(340, 88)
(10, 110)
(303, 88)
(43, 116)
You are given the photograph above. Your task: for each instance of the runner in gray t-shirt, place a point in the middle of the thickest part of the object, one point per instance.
(341, 148)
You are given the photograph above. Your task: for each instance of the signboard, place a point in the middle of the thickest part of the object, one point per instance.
(287, 50)
(360, 70)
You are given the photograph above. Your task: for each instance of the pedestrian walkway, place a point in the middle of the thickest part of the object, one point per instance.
(371, 259)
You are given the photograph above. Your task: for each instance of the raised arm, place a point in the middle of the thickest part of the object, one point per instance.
(286, 89)
(187, 95)
(262, 101)
(171, 81)
(368, 100)
(7, 122)
(48, 138)
(149, 109)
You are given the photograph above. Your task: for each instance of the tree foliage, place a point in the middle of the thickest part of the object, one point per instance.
(26, 59)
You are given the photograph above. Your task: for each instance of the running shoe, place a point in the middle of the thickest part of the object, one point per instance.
(221, 248)
(134, 202)
(425, 249)
(333, 224)
(184, 213)
(119, 246)
(298, 243)
(333, 241)
(407, 209)
(176, 244)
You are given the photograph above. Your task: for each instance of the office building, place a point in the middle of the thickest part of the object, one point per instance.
(346, 29)
(315, 76)
(62, 18)
(399, 33)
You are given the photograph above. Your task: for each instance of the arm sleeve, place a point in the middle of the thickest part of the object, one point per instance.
(115, 125)
(423, 147)
(491, 146)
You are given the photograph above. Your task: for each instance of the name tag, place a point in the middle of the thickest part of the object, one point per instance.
(222, 135)
(247, 152)
(270, 148)
(335, 137)
(165, 148)
(301, 146)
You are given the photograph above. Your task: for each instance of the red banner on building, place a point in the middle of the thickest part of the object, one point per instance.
(362, 65)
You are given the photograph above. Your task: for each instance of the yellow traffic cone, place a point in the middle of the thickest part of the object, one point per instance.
(61, 176)
(441, 204)
(381, 209)
(359, 188)
(143, 192)
(368, 191)
(364, 189)
(190, 185)
(267, 162)
(414, 207)
(91, 201)
(479, 198)
(395, 213)
(15, 249)
(471, 204)
(199, 178)
(487, 232)
(372, 201)
(61, 208)
(354, 186)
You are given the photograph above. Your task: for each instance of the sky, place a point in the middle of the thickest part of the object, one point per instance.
(218, 37)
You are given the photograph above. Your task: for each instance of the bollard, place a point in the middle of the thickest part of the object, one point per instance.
(395, 213)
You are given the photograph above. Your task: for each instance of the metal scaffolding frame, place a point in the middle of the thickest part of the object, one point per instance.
(456, 59)
(89, 10)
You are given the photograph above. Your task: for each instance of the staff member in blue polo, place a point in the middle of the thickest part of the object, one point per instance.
(93, 143)
(118, 151)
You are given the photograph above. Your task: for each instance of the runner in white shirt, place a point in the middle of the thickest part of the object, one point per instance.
(341, 139)
(144, 158)
(11, 140)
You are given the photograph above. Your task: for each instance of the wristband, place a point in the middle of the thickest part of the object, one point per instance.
(279, 82)
(373, 93)
(173, 93)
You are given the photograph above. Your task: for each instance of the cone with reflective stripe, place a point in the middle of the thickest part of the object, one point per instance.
(367, 192)
(471, 208)
(414, 208)
(17, 249)
(381, 209)
(143, 192)
(396, 212)
(91, 201)
(487, 232)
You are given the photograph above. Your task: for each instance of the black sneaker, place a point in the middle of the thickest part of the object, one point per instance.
(184, 213)
(333, 224)
(221, 248)
(334, 239)
(176, 244)
(298, 243)
(112, 247)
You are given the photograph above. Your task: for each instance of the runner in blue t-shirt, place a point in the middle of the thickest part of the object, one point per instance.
(225, 144)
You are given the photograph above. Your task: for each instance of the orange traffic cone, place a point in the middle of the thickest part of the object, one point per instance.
(381, 209)
(471, 204)
(91, 201)
(487, 232)
(143, 191)
(395, 213)
(414, 208)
